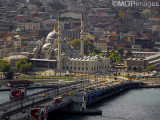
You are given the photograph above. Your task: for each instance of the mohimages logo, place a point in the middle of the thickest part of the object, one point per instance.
(134, 3)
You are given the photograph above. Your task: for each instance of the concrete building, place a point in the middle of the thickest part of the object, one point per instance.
(142, 60)
(30, 27)
(101, 44)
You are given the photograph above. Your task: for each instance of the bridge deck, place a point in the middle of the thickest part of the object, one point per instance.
(14, 109)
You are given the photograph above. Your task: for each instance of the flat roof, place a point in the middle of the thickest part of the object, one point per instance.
(16, 56)
(154, 61)
(152, 56)
(50, 60)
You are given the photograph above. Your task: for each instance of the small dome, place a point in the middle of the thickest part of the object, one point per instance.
(16, 36)
(18, 30)
(56, 49)
(52, 35)
(34, 49)
(47, 45)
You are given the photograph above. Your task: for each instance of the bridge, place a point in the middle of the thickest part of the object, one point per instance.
(97, 90)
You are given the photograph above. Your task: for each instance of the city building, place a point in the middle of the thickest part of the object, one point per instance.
(101, 44)
(141, 60)
(30, 27)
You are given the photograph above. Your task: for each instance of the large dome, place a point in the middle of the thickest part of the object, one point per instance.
(52, 35)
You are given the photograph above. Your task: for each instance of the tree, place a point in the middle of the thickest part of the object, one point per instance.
(101, 54)
(19, 63)
(92, 54)
(120, 59)
(112, 52)
(4, 66)
(23, 66)
(108, 53)
(97, 51)
(56, 5)
(88, 46)
(129, 54)
(9, 74)
(150, 68)
(114, 56)
(38, 3)
(121, 51)
(76, 43)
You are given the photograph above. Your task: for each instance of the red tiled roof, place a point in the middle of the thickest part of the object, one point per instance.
(20, 17)
(101, 41)
(117, 46)
(8, 35)
(1, 39)
(24, 38)
(73, 29)
(35, 35)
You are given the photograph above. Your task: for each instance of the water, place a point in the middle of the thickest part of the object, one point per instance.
(136, 104)
(5, 95)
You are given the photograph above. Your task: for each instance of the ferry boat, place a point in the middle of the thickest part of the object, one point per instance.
(18, 93)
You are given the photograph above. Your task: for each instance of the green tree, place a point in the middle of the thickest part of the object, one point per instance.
(97, 51)
(92, 54)
(121, 51)
(4, 66)
(150, 68)
(88, 46)
(9, 74)
(129, 54)
(38, 3)
(75, 43)
(23, 66)
(120, 59)
(108, 53)
(56, 5)
(19, 63)
(101, 54)
(112, 52)
(114, 56)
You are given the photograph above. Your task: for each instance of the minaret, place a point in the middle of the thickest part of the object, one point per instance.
(59, 44)
(82, 37)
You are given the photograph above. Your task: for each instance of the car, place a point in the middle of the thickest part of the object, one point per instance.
(23, 111)
(154, 75)
(58, 99)
(73, 87)
(158, 76)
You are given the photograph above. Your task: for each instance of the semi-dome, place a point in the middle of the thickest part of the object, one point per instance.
(47, 45)
(34, 49)
(52, 35)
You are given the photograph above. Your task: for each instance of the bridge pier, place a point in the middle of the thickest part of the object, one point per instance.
(79, 101)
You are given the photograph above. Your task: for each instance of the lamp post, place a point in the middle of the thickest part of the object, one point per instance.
(34, 69)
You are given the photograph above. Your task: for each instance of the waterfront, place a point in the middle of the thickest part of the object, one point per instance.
(5, 95)
(135, 104)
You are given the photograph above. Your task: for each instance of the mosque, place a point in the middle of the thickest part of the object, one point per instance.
(55, 53)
